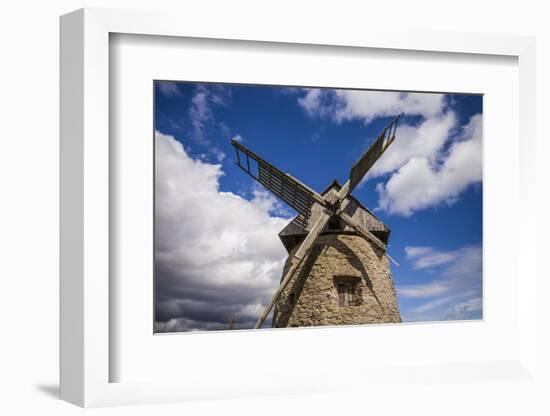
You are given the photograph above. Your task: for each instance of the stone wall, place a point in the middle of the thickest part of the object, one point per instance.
(311, 297)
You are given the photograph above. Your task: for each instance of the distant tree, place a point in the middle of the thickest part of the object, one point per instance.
(232, 320)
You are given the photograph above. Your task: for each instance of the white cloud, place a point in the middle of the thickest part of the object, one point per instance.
(424, 141)
(215, 252)
(238, 138)
(202, 117)
(426, 257)
(200, 111)
(426, 167)
(169, 89)
(456, 293)
(433, 179)
(218, 154)
(345, 105)
(412, 252)
(471, 309)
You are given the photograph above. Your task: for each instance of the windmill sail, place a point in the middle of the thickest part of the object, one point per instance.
(369, 158)
(301, 198)
(290, 190)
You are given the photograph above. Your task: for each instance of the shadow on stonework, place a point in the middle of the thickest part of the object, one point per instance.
(286, 309)
(357, 264)
(298, 286)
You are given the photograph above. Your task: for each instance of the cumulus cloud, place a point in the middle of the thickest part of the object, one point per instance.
(429, 163)
(425, 141)
(456, 292)
(216, 253)
(345, 105)
(433, 179)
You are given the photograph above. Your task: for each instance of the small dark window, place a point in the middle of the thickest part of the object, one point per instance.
(346, 294)
(349, 290)
(291, 298)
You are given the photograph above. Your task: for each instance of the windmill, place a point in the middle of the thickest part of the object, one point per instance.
(354, 262)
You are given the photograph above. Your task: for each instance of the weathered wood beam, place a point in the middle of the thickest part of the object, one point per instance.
(367, 234)
(298, 258)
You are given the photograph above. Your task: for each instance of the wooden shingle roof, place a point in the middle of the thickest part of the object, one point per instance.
(293, 233)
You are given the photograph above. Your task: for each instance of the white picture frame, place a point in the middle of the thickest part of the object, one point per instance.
(85, 221)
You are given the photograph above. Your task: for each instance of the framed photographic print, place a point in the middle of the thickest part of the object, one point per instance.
(265, 249)
(343, 192)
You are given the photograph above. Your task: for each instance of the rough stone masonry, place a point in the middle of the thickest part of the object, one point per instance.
(344, 280)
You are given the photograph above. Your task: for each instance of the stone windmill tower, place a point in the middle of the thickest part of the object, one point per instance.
(337, 271)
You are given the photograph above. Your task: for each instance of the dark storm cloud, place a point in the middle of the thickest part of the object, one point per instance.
(217, 255)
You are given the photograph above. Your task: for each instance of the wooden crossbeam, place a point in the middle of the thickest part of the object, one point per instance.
(373, 153)
(297, 259)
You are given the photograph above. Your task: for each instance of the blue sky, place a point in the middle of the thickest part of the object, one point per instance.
(426, 188)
